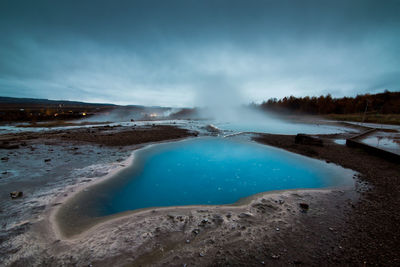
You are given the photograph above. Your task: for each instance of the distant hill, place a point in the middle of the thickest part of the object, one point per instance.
(7, 101)
(33, 109)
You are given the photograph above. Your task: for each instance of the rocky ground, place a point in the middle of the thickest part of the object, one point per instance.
(270, 229)
(100, 135)
(371, 233)
(335, 227)
(43, 165)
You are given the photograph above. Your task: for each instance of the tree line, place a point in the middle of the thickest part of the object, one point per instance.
(381, 103)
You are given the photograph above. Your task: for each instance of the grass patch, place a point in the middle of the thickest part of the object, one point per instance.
(372, 118)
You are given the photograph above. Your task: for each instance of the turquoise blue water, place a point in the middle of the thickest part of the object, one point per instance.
(207, 171)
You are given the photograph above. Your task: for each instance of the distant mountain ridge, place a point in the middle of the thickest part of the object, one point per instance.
(36, 109)
(42, 101)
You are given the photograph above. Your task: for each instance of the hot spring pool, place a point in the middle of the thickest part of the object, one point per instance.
(202, 171)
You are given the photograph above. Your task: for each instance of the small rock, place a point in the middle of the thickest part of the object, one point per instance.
(308, 140)
(217, 219)
(187, 241)
(9, 146)
(4, 158)
(16, 194)
(277, 229)
(304, 207)
(331, 229)
(203, 222)
(201, 254)
(196, 231)
(244, 215)
(212, 129)
(275, 257)
(145, 235)
(202, 210)
(47, 160)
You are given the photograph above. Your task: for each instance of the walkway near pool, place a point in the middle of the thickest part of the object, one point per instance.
(382, 143)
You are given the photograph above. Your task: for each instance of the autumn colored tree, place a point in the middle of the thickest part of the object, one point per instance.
(382, 103)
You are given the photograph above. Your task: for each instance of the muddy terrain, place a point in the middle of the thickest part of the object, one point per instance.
(371, 231)
(340, 226)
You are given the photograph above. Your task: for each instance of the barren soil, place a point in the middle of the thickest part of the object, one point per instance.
(371, 233)
(341, 226)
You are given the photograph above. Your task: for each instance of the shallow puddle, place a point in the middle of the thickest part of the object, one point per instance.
(382, 140)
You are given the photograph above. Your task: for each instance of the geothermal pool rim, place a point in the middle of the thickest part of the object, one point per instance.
(128, 162)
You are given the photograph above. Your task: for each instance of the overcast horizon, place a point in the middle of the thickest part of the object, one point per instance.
(186, 53)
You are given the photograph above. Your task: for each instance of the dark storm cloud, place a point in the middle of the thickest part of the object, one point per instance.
(164, 52)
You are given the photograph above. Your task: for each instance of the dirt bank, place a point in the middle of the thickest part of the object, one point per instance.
(103, 135)
(371, 233)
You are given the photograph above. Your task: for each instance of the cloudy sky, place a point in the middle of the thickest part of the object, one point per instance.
(177, 53)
